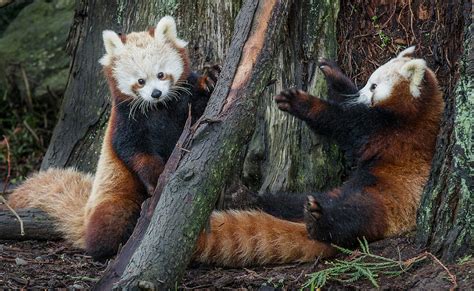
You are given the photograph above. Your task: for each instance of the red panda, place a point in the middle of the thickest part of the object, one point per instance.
(151, 86)
(388, 129)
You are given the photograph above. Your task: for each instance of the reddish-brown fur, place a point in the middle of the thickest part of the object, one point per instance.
(242, 238)
(239, 238)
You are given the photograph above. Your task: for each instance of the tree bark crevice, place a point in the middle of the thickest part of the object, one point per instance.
(192, 190)
(445, 219)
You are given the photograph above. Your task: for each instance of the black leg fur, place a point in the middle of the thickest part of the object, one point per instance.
(340, 87)
(288, 206)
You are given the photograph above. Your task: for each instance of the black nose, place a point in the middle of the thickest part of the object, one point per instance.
(156, 93)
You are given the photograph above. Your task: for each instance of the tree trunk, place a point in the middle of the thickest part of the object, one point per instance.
(284, 155)
(37, 225)
(445, 218)
(85, 110)
(217, 148)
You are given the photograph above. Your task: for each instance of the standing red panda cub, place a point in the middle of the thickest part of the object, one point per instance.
(151, 86)
(388, 129)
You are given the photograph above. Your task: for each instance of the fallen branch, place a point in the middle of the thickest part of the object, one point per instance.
(452, 277)
(5, 187)
(36, 224)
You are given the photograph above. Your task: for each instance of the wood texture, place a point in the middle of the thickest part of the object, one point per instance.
(284, 154)
(445, 218)
(84, 113)
(216, 147)
(37, 225)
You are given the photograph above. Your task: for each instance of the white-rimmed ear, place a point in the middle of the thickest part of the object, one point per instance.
(113, 44)
(414, 71)
(166, 30)
(407, 53)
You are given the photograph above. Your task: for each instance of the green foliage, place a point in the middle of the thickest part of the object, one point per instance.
(384, 38)
(463, 260)
(361, 264)
(28, 132)
(33, 75)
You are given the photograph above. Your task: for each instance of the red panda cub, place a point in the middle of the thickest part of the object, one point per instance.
(388, 129)
(151, 87)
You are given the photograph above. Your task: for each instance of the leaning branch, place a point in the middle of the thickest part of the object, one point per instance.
(159, 251)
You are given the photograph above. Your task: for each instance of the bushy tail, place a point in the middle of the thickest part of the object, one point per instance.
(62, 193)
(242, 238)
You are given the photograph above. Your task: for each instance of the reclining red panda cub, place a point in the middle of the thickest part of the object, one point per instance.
(388, 129)
(151, 88)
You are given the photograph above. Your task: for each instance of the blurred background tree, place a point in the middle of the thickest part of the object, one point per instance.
(33, 75)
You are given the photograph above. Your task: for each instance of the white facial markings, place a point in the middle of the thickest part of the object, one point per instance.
(154, 84)
(143, 58)
(380, 85)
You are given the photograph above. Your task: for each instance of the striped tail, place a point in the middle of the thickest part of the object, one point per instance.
(243, 238)
(62, 193)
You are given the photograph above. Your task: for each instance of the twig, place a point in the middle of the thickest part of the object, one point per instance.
(84, 278)
(390, 17)
(29, 98)
(5, 186)
(184, 150)
(451, 276)
(33, 133)
(411, 20)
(13, 260)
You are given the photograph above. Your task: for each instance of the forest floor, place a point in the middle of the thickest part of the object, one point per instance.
(33, 264)
(367, 36)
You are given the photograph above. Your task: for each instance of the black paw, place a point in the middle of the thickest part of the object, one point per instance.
(312, 216)
(329, 68)
(340, 86)
(209, 78)
(294, 101)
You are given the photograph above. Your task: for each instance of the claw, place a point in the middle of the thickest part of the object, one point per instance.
(313, 207)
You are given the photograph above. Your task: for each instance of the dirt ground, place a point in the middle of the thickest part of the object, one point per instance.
(368, 35)
(33, 264)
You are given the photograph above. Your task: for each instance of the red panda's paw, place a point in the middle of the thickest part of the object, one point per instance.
(312, 214)
(295, 102)
(329, 68)
(208, 81)
(339, 85)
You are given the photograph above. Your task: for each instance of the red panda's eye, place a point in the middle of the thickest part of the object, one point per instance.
(141, 81)
(372, 87)
(160, 75)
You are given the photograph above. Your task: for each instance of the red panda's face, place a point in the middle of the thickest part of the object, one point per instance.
(147, 66)
(383, 83)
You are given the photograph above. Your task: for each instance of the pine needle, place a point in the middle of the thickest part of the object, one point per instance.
(361, 264)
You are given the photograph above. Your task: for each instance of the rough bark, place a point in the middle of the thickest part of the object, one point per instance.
(284, 154)
(217, 148)
(445, 218)
(84, 113)
(37, 225)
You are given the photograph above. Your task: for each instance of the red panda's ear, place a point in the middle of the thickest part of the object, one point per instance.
(166, 31)
(113, 43)
(414, 71)
(407, 53)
